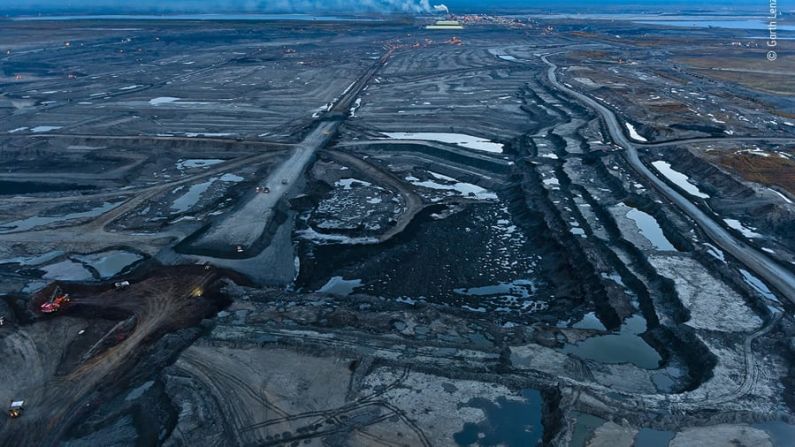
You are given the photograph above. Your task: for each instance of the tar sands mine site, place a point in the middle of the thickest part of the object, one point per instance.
(414, 230)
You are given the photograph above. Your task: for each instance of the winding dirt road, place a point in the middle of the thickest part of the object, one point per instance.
(771, 271)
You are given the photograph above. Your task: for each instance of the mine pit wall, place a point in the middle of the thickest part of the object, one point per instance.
(154, 418)
(663, 288)
(683, 340)
(729, 196)
(709, 178)
(658, 294)
(552, 415)
(603, 307)
(195, 145)
(635, 284)
(581, 281)
(789, 355)
(309, 262)
(487, 370)
(571, 284)
(450, 155)
(679, 340)
(15, 310)
(688, 163)
(662, 214)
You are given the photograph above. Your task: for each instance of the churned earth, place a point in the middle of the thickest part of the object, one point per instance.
(532, 231)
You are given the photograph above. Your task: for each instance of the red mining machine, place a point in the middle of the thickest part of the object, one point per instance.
(57, 300)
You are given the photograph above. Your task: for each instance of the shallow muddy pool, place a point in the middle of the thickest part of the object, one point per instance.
(38, 221)
(679, 179)
(110, 263)
(623, 346)
(650, 229)
(511, 423)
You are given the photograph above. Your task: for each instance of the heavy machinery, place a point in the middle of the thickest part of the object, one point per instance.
(56, 301)
(15, 410)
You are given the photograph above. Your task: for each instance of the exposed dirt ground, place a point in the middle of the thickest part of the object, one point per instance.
(532, 232)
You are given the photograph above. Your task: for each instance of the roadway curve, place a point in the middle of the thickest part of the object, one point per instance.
(774, 274)
(413, 201)
(740, 139)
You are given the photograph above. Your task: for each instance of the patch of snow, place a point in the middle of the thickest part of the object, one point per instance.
(463, 140)
(347, 183)
(356, 105)
(207, 134)
(679, 179)
(39, 129)
(162, 100)
(737, 225)
(715, 252)
(634, 133)
(464, 189)
(231, 178)
(197, 163)
(338, 285)
(321, 238)
(786, 199)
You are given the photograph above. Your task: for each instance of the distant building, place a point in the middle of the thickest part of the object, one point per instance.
(446, 24)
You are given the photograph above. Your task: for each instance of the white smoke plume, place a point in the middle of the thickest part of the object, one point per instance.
(224, 6)
(441, 8)
(409, 6)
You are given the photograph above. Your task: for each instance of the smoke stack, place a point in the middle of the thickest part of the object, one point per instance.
(441, 8)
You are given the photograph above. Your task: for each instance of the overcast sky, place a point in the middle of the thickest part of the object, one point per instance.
(350, 5)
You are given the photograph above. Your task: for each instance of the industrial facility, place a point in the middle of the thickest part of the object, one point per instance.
(446, 25)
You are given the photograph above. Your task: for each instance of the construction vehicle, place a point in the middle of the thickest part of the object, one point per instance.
(56, 301)
(121, 284)
(15, 410)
